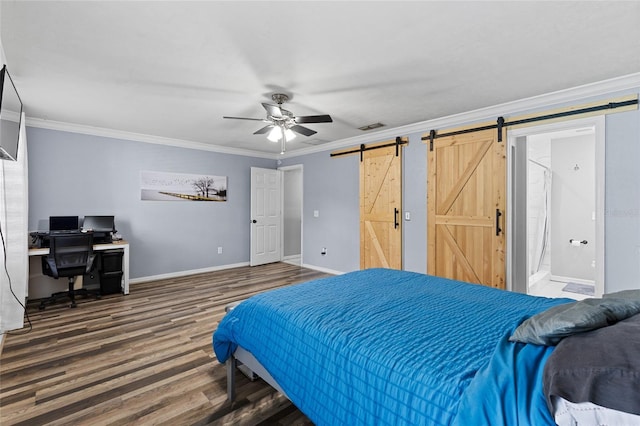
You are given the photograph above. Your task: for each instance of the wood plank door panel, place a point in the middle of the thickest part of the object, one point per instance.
(381, 209)
(466, 206)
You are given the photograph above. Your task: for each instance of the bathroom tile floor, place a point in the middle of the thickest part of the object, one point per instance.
(548, 288)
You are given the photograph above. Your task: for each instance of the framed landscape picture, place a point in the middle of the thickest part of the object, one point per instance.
(163, 186)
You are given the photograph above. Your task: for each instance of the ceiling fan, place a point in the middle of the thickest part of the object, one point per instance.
(283, 125)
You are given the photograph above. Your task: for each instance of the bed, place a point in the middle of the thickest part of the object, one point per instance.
(393, 347)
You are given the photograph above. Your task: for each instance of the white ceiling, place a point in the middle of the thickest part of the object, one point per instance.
(173, 69)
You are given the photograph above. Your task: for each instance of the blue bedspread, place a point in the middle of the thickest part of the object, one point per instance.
(376, 346)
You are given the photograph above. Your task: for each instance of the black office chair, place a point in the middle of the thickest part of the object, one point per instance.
(69, 255)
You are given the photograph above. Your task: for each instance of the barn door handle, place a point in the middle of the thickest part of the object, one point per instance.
(498, 229)
(395, 218)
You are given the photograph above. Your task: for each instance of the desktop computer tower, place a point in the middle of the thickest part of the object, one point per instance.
(111, 271)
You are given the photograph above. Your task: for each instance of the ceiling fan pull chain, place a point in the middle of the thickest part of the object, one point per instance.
(284, 142)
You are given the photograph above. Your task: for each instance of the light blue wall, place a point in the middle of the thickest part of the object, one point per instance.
(622, 201)
(414, 200)
(330, 186)
(172, 236)
(76, 174)
(335, 184)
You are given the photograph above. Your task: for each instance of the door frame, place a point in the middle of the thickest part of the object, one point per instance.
(284, 170)
(514, 238)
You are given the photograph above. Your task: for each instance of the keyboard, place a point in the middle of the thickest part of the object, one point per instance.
(64, 231)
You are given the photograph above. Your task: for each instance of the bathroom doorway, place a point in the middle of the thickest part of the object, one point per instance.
(557, 205)
(292, 189)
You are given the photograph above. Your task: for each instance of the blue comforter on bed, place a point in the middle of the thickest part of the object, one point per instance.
(388, 347)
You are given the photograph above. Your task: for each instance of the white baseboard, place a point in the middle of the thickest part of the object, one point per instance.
(321, 269)
(294, 259)
(571, 280)
(220, 268)
(185, 273)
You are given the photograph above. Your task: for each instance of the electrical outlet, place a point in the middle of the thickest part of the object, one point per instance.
(324, 251)
(219, 250)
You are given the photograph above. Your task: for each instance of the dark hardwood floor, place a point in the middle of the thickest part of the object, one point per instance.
(144, 358)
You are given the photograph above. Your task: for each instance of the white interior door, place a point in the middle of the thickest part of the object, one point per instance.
(266, 216)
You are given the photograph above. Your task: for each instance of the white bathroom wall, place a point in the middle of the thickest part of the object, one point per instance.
(574, 205)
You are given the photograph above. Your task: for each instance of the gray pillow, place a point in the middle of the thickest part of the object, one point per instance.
(601, 366)
(552, 325)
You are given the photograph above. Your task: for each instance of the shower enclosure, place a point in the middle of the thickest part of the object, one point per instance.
(539, 178)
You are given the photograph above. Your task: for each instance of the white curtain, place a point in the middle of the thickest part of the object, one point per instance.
(14, 219)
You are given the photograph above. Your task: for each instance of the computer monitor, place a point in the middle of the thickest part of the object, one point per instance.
(99, 224)
(63, 223)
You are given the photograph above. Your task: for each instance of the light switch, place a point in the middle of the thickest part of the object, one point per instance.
(316, 213)
(407, 216)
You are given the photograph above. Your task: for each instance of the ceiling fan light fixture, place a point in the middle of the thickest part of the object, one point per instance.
(282, 125)
(275, 134)
(289, 135)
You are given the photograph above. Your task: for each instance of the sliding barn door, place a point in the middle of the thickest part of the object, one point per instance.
(466, 224)
(380, 208)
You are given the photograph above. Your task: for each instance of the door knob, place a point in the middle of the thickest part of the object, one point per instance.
(254, 221)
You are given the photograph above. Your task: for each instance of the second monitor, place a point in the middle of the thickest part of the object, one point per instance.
(102, 227)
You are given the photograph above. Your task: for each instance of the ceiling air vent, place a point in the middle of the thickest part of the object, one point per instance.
(371, 126)
(313, 141)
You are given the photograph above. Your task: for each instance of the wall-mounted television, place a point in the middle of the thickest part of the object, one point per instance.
(10, 115)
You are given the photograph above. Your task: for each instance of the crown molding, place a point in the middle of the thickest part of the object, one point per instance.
(139, 137)
(605, 87)
(630, 81)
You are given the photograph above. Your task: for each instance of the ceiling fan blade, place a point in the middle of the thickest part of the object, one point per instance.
(303, 130)
(265, 129)
(314, 119)
(273, 110)
(245, 118)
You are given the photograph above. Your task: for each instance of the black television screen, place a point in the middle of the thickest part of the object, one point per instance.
(10, 115)
(63, 223)
(99, 224)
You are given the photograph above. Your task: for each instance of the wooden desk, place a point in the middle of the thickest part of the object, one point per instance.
(39, 280)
